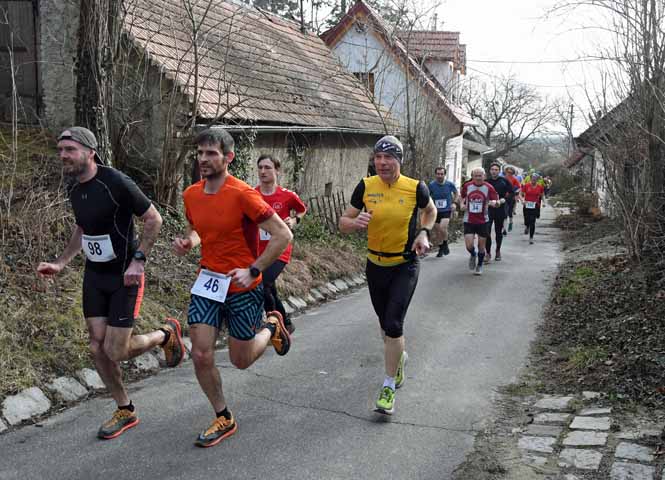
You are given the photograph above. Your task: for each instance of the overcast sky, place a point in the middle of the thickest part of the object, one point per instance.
(517, 31)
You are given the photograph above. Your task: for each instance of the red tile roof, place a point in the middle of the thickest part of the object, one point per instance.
(258, 66)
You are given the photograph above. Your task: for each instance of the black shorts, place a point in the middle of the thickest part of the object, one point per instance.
(480, 229)
(442, 215)
(391, 290)
(105, 295)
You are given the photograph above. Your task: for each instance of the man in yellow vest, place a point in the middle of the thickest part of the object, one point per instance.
(390, 202)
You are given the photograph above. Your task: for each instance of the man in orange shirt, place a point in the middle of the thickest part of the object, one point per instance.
(224, 216)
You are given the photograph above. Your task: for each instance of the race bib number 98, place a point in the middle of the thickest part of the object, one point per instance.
(476, 207)
(98, 248)
(211, 285)
(530, 205)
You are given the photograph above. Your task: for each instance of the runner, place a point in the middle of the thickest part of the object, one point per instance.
(498, 213)
(510, 202)
(548, 186)
(224, 216)
(105, 202)
(391, 201)
(477, 196)
(532, 196)
(444, 194)
(283, 201)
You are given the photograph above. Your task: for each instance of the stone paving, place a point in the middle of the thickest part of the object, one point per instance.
(577, 436)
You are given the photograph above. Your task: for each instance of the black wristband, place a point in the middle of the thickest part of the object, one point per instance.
(426, 230)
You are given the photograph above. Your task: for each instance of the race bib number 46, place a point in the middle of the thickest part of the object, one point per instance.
(476, 207)
(530, 205)
(441, 203)
(98, 248)
(211, 285)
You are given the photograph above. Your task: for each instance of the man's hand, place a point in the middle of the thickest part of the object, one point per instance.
(421, 244)
(362, 220)
(291, 222)
(241, 277)
(182, 246)
(134, 273)
(45, 269)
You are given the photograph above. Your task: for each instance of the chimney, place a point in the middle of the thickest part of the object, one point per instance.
(434, 21)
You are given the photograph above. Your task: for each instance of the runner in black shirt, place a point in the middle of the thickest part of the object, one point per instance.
(105, 202)
(499, 213)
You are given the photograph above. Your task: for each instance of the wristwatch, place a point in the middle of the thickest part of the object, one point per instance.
(253, 271)
(140, 256)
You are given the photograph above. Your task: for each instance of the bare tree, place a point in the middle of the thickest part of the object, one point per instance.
(631, 136)
(508, 113)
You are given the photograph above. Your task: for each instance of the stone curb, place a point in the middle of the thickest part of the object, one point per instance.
(33, 403)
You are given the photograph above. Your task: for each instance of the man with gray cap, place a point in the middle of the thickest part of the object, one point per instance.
(390, 202)
(105, 202)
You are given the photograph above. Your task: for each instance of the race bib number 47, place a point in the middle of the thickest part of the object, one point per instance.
(211, 285)
(98, 248)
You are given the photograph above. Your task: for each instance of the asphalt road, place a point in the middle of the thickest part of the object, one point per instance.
(308, 415)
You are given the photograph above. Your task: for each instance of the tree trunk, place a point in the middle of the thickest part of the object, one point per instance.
(99, 33)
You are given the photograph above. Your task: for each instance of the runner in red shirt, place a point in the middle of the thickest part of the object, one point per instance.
(517, 185)
(532, 195)
(477, 196)
(283, 201)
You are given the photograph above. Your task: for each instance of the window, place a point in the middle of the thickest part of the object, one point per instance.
(367, 79)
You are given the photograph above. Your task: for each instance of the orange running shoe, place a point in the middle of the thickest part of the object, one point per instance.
(121, 421)
(281, 340)
(174, 350)
(220, 429)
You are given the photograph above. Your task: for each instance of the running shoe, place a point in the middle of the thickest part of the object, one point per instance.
(220, 429)
(174, 350)
(386, 402)
(446, 250)
(526, 230)
(400, 376)
(504, 233)
(497, 257)
(440, 252)
(510, 227)
(478, 270)
(531, 241)
(281, 340)
(472, 262)
(121, 421)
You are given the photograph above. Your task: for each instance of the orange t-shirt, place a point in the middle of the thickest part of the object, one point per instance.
(227, 223)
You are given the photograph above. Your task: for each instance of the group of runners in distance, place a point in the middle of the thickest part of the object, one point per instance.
(245, 236)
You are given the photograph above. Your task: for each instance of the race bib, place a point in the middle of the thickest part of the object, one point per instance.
(98, 248)
(211, 285)
(476, 207)
(441, 203)
(263, 235)
(530, 205)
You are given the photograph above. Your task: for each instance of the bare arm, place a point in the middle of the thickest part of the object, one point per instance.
(280, 236)
(428, 215)
(152, 223)
(353, 220)
(71, 250)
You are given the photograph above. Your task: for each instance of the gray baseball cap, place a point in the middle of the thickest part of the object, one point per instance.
(83, 136)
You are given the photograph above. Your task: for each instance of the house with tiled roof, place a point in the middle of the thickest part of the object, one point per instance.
(276, 87)
(394, 68)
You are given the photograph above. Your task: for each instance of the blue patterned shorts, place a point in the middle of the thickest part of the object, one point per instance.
(242, 312)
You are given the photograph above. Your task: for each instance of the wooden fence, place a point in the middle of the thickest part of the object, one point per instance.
(328, 209)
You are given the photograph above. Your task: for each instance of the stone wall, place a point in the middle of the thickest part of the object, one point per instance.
(58, 34)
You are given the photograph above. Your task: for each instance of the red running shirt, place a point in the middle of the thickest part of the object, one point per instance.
(282, 201)
(533, 193)
(477, 201)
